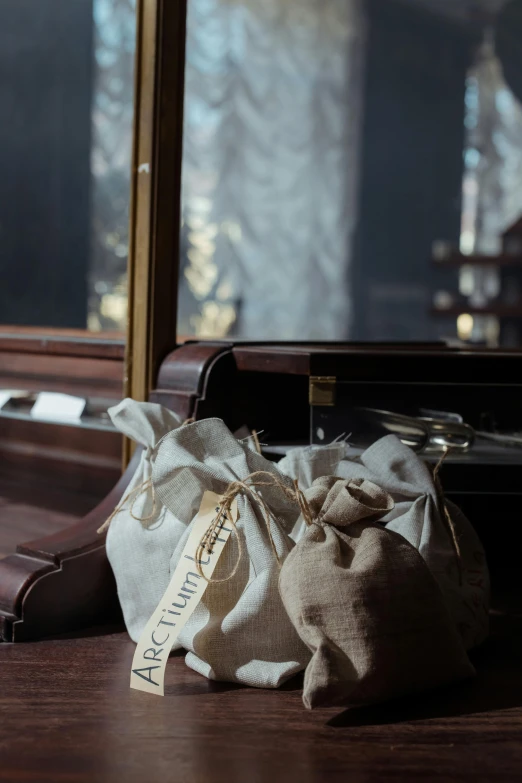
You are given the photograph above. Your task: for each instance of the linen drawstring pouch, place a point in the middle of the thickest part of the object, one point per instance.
(240, 631)
(308, 463)
(364, 602)
(142, 532)
(435, 527)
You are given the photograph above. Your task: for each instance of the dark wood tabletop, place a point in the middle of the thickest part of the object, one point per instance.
(67, 714)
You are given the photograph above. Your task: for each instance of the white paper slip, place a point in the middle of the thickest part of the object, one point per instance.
(181, 597)
(5, 396)
(64, 408)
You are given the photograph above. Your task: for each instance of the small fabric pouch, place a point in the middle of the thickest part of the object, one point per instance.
(240, 631)
(142, 533)
(435, 527)
(307, 464)
(364, 602)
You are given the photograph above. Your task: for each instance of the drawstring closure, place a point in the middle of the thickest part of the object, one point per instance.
(134, 494)
(247, 487)
(446, 514)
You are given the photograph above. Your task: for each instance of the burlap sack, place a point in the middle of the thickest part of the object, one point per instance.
(459, 565)
(240, 631)
(365, 603)
(143, 534)
(307, 464)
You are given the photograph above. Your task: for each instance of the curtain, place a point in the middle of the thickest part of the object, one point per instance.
(270, 167)
(111, 153)
(492, 190)
(493, 155)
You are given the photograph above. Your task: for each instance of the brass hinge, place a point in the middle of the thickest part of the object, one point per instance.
(322, 389)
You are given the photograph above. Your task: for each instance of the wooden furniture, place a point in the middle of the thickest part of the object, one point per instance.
(64, 581)
(70, 715)
(69, 362)
(53, 475)
(156, 191)
(79, 462)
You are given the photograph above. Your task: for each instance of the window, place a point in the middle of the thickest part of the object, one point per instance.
(66, 98)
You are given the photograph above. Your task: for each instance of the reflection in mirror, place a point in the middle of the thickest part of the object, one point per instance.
(59, 452)
(60, 456)
(352, 169)
(57, 408)
(66, 88)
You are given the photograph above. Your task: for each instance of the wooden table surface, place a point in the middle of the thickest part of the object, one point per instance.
(67, 714)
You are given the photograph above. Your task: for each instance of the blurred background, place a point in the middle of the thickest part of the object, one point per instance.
(66, 97)
(352, 169)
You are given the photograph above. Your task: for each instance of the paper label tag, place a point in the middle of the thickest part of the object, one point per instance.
(181, 597)
(65, 408)
(5, 396)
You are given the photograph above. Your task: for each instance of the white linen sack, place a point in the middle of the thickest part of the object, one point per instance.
(419, 517)
(240, 631)
(305, 465)
(143, 534)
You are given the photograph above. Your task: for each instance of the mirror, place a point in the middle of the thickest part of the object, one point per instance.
(66, 108)
(352, 170)
(66, 124)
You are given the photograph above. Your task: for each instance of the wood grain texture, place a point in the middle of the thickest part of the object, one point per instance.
(83, 376)
(21, 522)
(62, 342)
(72, 717)
(62, 581)
(185, 369)
(51, 476)
(49, 448)
(61, 361)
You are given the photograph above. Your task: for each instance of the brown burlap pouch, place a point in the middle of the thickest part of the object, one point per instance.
(364, 602)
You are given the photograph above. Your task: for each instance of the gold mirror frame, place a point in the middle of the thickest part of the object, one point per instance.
(155, 212)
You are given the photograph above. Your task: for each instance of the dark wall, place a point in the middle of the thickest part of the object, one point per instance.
(412, 167)
(45, 138)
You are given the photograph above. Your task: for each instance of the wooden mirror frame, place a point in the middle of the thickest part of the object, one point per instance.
(64, 581)
(156, 191)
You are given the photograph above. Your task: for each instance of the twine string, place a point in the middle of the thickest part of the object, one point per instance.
(446, 514)
(254, 481)
(261, 479)
(134, 494)
(257, 444)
